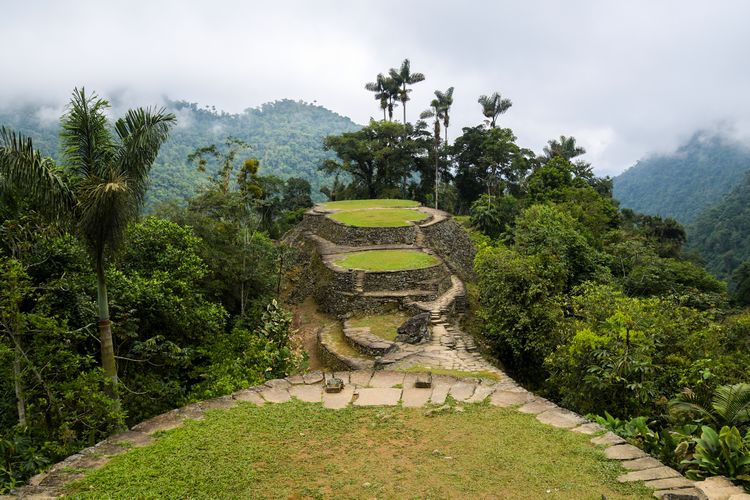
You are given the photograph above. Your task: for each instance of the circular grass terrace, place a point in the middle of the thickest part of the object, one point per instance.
(378, 217)
(387, 260)
(362, 204)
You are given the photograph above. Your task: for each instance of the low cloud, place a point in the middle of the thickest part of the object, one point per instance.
(626, 78)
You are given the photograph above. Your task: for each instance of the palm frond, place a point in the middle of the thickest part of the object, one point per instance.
(85, 136)
(732, 403)
(141, 133)
(24, 168)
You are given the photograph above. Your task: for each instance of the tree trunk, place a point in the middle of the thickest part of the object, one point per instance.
(105, 327)
(437, 163)
(18, 385)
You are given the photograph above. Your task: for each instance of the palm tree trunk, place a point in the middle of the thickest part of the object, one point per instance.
(18, 386)
(105, 327)
(437, 162)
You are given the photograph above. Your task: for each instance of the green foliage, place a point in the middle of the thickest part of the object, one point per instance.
(494, 215)
(721, 233)
(378, 157)
(707, 166)
(520, 308)
(285, 136)
(720, 454)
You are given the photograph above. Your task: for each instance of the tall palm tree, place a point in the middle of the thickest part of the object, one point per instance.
(493, 106)
(403, 77)
(445, 101)
(436, 112)
(102, 186)
(380, 90)
(565, 147)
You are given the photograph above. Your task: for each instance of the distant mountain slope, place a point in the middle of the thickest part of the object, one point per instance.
(286, 136)
(721, 234)
(682, 184)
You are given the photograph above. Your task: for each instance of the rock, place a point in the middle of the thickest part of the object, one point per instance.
(608, 439)
(649, 474)
(681, 494)
(589, 428)
(306, 393)
(424, 381)
(624, 452)
(334, 384)
(672, 483)
(642, 463)
(415, 330)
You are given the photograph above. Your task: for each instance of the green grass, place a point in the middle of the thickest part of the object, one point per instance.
(387, 260)
(452, 373)
(379, 217)
(298, 450)
(358, 204)
(382, 325)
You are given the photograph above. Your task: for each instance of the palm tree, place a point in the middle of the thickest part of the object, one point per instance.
(445, 101)
(493, 106)
(381, 94)
(565, 148)
(436, 112)
(729, 405)
(404, 77)
(101, 188)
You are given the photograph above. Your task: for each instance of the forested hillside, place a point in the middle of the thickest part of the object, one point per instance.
(286, 136)
(682, 184)
(721, 234)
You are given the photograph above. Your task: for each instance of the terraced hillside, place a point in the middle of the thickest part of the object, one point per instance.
(412, 260)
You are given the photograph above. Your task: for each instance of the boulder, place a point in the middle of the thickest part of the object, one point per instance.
(415, 330)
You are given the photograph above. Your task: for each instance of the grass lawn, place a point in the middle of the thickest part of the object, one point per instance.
(382, 325)
(299, 450)
(387, 260)
(379, 217)
(357, 204)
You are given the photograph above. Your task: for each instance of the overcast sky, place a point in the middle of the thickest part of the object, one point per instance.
(626, 78)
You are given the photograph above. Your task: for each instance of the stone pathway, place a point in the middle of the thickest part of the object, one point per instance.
(390, 388)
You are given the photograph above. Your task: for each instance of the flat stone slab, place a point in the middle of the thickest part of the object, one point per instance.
(133, 439)
(387, 379)
(463, 389)
(481, 393)
(589, 428)
(504, 399)
(220, 403)
(539, 405)
(414, 397)
(296, 379)
(338, 400)
(681, 494)
(624, 452)
(649, 474)
(278, 383)
(250, 396)
(441, 386)
(163, 422)
(560, 418)
(670, 483)
(307, 393)
(642, 463)
(313, 377)
(608, 439)
(380, 396)
(719, 487)
(360, 378)
(275, 395)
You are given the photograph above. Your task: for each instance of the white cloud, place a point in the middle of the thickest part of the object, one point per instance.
(627, 78)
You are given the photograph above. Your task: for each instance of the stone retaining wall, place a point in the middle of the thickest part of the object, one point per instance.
(405, 279)
(342, 234)
(448, 239)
